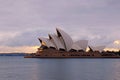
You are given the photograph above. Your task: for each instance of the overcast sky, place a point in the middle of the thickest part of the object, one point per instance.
(23, 21)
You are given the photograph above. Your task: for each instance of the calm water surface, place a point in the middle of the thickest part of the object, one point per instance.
(19, 68)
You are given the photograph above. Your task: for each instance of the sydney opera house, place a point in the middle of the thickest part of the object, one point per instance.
(61, 45)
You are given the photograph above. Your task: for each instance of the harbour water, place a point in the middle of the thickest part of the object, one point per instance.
(20, 68)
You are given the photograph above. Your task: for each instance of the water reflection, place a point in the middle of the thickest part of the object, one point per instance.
(77, 69)
(115, 74)
(19, 68)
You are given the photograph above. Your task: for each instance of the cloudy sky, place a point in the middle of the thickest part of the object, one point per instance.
(23, 21)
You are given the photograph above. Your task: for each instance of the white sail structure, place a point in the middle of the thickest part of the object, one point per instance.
(76, 47)
(98, 48)
(56, 41)
(62, 41)
(65, 39)
(82, 44)
(46, 42)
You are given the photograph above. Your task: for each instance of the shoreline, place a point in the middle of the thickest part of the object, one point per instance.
(72, 57)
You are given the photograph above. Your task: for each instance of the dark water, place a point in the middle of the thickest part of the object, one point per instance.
(19, 68)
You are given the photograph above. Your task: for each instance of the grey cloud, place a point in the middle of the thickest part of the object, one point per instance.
(29, 37)
(26, 38)
(83, 19)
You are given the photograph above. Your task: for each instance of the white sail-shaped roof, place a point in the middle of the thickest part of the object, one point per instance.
(47, 42)
(65, 39)
(76, 47)
(82, 44)
(56, 41)
(98, 48)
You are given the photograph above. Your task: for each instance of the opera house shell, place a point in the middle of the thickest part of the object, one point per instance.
(98, 48)
(62, 41)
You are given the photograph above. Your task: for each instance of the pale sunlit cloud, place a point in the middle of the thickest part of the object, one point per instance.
(20, 49)
(115, 46)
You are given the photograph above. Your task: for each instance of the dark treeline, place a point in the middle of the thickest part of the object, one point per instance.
(117, 53)
(12, 54)
(112, 52)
